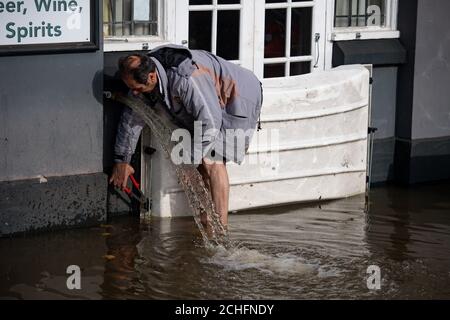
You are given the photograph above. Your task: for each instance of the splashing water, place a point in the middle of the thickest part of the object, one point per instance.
(189, 177)
(223, 252)
(240, 258)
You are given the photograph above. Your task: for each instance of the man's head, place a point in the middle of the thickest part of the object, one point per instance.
(139, 73)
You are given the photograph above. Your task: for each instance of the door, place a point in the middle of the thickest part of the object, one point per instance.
(273, 38)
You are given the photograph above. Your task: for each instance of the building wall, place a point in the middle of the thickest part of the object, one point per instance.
(51, 125)
(407, 25)
(51, 122)
(422, 150)
(413, 90)
(431, 106)
(384, 97)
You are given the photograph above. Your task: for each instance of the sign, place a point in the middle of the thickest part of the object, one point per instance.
(32, 26)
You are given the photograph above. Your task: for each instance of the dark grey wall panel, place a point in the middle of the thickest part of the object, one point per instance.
(430, 159)
(423, 110)
(383, 160)
(59, 203)
(431, 115)
(384, 98)
(376, 52)
(384, 101)
(51, 114)
(425, 160)
(51, 124)
(407, 25)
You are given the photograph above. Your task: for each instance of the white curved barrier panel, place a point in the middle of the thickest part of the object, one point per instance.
(313, 146)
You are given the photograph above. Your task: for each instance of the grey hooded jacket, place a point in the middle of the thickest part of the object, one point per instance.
(196, 85)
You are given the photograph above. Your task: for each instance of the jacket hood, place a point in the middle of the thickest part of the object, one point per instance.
(176, 58)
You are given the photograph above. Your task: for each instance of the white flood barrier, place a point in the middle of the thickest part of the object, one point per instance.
(313, 146)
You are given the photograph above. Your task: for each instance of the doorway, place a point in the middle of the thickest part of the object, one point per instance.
(273, 38)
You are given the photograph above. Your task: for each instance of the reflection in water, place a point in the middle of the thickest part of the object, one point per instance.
(120, 277)
(412, 227)
(295, 252)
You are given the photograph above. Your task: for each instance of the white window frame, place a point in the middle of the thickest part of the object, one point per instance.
(166, 32)
(365, 33)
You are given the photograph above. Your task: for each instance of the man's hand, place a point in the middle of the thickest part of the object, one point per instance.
(121, 172)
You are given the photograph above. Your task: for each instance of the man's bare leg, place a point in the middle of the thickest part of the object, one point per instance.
(205, 176)
(220, 187)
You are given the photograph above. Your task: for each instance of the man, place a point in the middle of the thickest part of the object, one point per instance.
(194, 86)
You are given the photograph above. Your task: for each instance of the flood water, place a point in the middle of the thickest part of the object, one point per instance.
(296, 252)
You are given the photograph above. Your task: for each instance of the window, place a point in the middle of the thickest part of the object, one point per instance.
(214, 25)
(288, 38)
(130, 18)
(365, 19)
(130, 21)
(274, 38)
(360, 13)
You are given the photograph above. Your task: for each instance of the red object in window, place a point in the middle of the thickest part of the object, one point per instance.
(275, 40)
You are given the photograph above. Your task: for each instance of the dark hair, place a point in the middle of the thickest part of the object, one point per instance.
(139, 73)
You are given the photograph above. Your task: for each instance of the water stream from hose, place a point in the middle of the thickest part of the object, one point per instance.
(189, 177)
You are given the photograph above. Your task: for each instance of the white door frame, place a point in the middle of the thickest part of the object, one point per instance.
(252, 31)
(246, 33)
(318, 27)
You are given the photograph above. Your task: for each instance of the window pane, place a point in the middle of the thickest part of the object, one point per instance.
(274, 70)
(297, 68)
(341, 13)
(142, 28)
(229, 1)
(200, 30)
(141, 10)
(228, 25)
(301, 31)
(107, 18)
(199, 2)
(360, 13)
(284, 1)
(377, 12)
(275, 33)
(127, 17)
